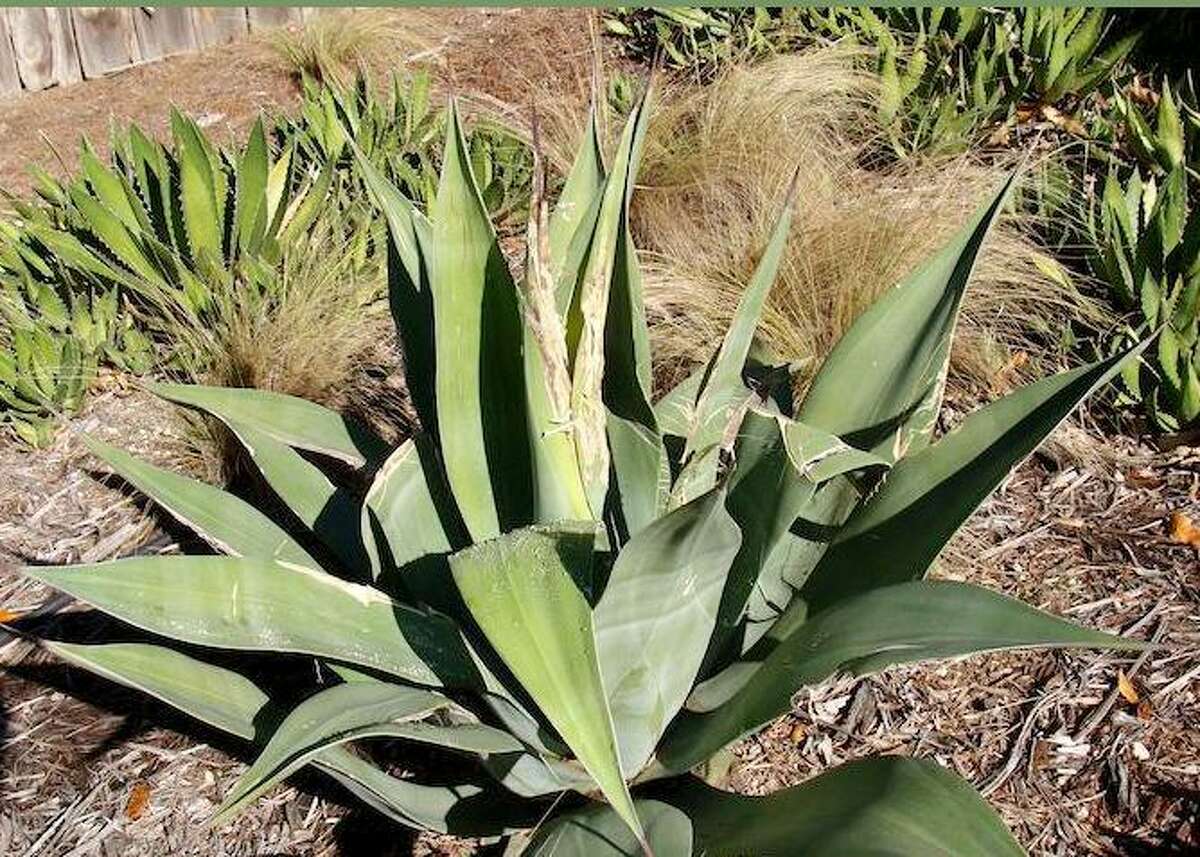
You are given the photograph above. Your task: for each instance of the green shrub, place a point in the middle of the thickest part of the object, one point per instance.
(580, 590)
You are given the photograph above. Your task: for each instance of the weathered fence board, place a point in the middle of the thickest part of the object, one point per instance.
(265, 17)
(49, 46)
(10, 81)
(105, 37)
(44, 46)
(216, 25)
(163, 30)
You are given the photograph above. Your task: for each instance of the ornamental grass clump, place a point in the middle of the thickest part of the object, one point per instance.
(581, 593)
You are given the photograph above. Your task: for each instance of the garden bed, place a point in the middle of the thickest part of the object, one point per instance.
(1081, 753)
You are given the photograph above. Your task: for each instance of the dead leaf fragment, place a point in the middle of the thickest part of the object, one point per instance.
(1126, 688)
(139, 799)
(1184, 531)
(9, 615)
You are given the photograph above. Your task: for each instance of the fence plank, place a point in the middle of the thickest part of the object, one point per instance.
(66, 54)
(163, 30)
(32, 46)
(265, 17)
(44, 46)
(217, 25)
(105, 37)
(10, 81)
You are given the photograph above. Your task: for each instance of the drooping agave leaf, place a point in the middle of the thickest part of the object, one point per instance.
(256, 604)
(213, 695)
(348, 712)
(231, 702)
(886, 806)
(661, 597)
(477, 331)
(723, 388)
(524, 590)
(896, 624)
(531, 775)
(597, 831)
(881, 386)
(287, 419)
(405, 513)
(227, 522)
(464, 809)
(897, 533)
(332, 513)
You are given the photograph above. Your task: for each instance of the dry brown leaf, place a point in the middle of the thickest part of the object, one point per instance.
(139, 799)
(1184, 531)
(1143, 477)
(1064, 120)
(798, 733)
(1126, 688)
(9, 615)
(1145, 710)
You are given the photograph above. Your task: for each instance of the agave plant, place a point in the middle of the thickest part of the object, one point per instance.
(584, 593)
(174, 229)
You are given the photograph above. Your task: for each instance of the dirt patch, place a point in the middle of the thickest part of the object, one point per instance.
(498, 53)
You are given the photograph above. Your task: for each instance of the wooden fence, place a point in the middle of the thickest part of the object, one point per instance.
(42, 47)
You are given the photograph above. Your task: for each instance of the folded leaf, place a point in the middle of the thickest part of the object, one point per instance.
(656, 616)
(287, 419)
(227, 522)
(256, 604)
(897, 624)
(524, 590)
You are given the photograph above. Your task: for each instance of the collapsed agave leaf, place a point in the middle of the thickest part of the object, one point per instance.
(712, 553)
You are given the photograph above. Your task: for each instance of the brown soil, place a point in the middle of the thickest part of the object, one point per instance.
(495, 53)
(1073, 766)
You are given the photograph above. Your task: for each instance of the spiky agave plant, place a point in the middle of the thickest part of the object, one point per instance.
(580, 590)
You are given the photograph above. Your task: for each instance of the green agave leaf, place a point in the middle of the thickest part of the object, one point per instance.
(109, 189)
(597, 831)
(524, 590)
(227, 522)
(481, 417)
(200, 202)
(766, 495)
(575, 212)
(897, 624)
(464, 810)
(410, 237)
(251, 192)
(348, 712)
(213, 695)
(661, 597)
(609, 345)
(116, 237)
(404, 516)
(885, 806)
(558, 488)
(819, 456)
(258, 604)
(287, 419)
(231, 702)
(723, 389)
(675, 412)
(880, 388)
(332, 513)
(900, 530)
